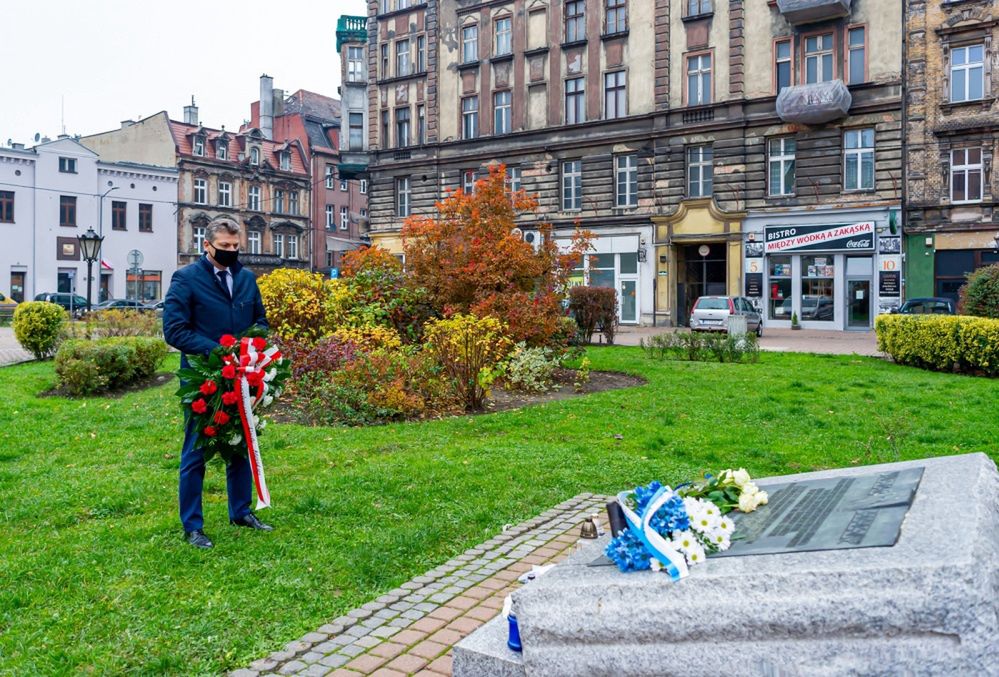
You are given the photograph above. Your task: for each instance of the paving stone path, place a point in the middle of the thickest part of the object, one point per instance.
(411, 630)
(10, 350)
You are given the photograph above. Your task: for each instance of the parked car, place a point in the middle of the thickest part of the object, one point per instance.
(122, 304)
(930, 305)
(74, 303)
(711, 313)
(7, 305)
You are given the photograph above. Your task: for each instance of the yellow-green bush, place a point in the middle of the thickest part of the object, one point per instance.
(369, 338)
(303, 306)
(943, 343)
(38, 326)
(469, 349)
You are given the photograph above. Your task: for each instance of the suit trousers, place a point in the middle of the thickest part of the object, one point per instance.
(238, 481)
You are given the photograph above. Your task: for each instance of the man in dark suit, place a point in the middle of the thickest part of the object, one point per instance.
(211, 297)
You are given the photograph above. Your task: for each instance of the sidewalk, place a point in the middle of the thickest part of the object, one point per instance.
(10, 350)
(780, 340)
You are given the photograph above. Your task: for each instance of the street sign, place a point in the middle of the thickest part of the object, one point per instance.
(334, 273)
(135, 258)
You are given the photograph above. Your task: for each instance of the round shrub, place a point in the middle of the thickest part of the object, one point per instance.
(38, 326)
(531, 370)
(87, 367)
(980, 296)
(301, 305)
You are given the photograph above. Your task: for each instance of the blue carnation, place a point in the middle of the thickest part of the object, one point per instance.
(628, 552)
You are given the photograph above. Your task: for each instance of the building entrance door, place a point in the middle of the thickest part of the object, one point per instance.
(702, 271)
(858, 293)
(65, 282)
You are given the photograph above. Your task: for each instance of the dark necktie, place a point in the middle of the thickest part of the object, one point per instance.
(223, 274)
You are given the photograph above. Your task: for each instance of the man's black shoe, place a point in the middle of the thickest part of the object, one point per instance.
(250, 520)
(198, 539)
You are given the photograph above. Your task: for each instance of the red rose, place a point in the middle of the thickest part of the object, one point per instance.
(229, 371)
(230, 398)
(199, 406)
(208, 388)
(227, 341)
(259, 343)
(209, 431)
(221, 417)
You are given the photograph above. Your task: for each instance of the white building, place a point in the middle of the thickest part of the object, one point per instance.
(54, 192)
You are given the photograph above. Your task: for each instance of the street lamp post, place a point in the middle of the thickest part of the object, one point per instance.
(100, 210)
(90, 245)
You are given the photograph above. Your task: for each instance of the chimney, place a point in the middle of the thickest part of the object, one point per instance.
(278, 102)
(190, 113)
(267, 106)
(126, 123)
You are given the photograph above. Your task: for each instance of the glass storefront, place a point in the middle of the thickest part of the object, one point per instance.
(780, 287)
(818, 288)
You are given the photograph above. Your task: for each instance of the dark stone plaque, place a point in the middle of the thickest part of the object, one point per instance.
(863, 511)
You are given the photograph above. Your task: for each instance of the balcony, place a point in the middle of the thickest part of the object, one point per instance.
(351, 29)
(798, 12)
(353, 164)
(814, 104)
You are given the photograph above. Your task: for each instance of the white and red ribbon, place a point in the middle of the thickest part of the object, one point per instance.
(252, 361)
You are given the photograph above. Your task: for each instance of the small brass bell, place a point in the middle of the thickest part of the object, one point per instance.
(588, 529)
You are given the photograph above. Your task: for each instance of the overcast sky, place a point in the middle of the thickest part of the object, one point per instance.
(113, 60)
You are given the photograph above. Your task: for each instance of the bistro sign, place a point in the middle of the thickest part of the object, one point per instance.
(852, 237)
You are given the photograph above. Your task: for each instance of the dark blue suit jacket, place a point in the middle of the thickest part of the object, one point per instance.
(197, 311)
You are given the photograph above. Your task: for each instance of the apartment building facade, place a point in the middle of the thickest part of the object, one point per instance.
(743, 147)
(952, 134)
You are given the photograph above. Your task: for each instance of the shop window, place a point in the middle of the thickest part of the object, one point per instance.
(602, 270)
(818, 288)
(780, 287)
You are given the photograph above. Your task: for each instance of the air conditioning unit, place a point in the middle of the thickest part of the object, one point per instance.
(533, 238)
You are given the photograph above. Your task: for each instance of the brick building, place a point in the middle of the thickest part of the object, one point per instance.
(952, 131)
(744, 147)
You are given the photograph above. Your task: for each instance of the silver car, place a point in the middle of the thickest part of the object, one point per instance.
(711, 313)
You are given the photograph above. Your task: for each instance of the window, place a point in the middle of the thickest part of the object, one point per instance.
(699, 80)
(364, 213)
(402, 127)
(343, 186)
(501, 113)
(385, 60)
(469, 44)
(470, 117)
(285, 160)
(292, 246)
(253, 201)
(503, 35)
(386, 6)
(293, 202)
(402, 4)
(385, 129)
(421, 125)
(279, 245)
(6, 206)
(818, 289)
(145, 218)
(421, 54)
(966, 175)
(572, 185)
(967, 73)
(575, 20)
(858, 159)
(782, 64)
(201, 191)
(199, 145)
(626, 183)
(779, 302)
(344, 219)
(225, 194)
(355, 64)
(330, 176)
(67, 165)
(819, 58)
(780, 163)
(700, 171)
(402, 207)
(254, 156)
(279, 201)
(222, 149)
(118, 215)
(364, 186)
(356, 133)
(253, 241)
(615, 95)
(857, 55)
(468, 181)
(698, 7)
(330, 218)
(198, 239)
(617, 17)
(513, 178)
(402, 58)
(575, 101)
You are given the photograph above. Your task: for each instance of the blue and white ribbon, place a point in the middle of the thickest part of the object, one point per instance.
(672, 560)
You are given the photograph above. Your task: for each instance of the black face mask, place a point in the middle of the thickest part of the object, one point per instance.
(225, 257)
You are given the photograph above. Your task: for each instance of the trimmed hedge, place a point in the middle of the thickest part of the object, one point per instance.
(88, 367)
(942, 343)
(38, 326)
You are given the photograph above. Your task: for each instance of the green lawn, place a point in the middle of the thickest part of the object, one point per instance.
(94, 576)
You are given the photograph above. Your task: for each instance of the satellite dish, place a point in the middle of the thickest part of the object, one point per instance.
(135, 258)
(517, 233)
(37, 136)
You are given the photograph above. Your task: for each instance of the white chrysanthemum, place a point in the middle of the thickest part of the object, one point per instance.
(655, 564)
(684, 541)
(703, 520)
(695, 555)
(719, 539)
(725, 525)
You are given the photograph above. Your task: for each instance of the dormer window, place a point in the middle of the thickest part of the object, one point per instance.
(222, 149)
(199, 146)
(254, 156)
(285, 160)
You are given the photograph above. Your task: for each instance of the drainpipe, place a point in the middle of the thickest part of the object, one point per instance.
(904, 197)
